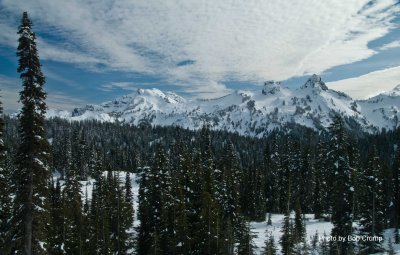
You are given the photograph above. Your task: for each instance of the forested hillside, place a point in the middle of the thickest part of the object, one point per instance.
(198, 190)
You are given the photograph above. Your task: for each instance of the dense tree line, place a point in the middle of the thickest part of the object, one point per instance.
(199, 189)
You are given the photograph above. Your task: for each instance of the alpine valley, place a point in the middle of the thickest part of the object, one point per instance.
(253, 113)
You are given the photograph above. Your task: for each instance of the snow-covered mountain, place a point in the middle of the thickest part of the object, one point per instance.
(248, 112)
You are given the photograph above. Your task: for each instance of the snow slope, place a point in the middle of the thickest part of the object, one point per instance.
(247, 112)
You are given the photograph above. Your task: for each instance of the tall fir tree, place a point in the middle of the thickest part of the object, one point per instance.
(30, 214)
(72, 208)
(343, 192)
(272, 165)
(127, 217)
(317, 203)
(356, 177)
(286, 240)
(210, 222)
(299, 232)
(145, 229)
(184, 199)
(246, 244)
(323, 178)
(155, 202)
(100, 222)
(228, 185)
(373, 203)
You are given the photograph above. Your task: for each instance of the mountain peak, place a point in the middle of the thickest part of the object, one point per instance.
(168, 96)
(315, 81)
(271, 87)
(247, 112)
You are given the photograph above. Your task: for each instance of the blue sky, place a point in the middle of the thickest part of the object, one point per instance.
(94, 51)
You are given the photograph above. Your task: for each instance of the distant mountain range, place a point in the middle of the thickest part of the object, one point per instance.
(248, 112)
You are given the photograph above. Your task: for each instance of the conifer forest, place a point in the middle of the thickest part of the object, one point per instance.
(97, 188)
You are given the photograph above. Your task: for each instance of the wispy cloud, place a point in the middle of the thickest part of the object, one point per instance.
(58, 100)
(224, 40)
(118, 85)
(206, 89)
(391, 45)
(370, 84)
(60, 78)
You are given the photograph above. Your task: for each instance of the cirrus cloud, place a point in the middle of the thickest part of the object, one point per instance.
(370, 84)
(251, 40)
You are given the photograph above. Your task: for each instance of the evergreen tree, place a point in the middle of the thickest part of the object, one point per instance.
(80, 159)
(305, 181)
(228, 185)
(272, 165)
(5, 191)
(269, 248)
(99, 238)
(323, 178)
(63, 153)
(269, 222)
(356, 178)
(95, 164)
(314, 243)
(114, 207)
(246, 245)
(208, 228)
(32, 176)
(145, 230)
(155, 202)
(86, 228)
(289, 166)
(72, 209)
(317, 203)
(182, 193)
(299, 228)
(373, 203)
(126, 235)
(286, 240)
(342, 192)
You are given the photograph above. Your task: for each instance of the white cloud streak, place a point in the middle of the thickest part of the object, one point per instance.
(368, 85)
(61, 101)
(391, 45)
(224, 39)
(118, 85)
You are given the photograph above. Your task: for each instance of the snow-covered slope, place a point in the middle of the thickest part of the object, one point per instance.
(383, 110)
(247, 112)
